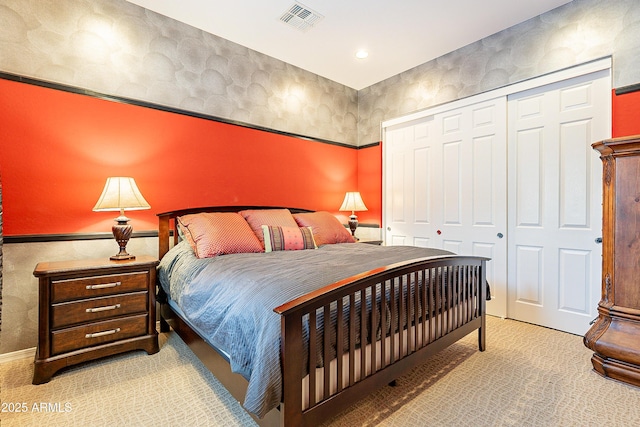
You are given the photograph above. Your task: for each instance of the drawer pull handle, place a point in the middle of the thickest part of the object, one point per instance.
(102, 334)
(105, 308)
(104, 285)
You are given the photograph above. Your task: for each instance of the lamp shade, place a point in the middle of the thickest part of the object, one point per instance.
(120, 194)
(353, 202)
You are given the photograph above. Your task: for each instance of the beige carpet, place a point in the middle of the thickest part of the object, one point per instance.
(529, 376)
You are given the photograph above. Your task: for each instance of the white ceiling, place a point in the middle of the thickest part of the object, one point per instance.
(399, 34)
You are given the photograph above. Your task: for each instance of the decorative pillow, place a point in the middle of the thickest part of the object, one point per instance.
(218, 233)
(287, 238)
(275, 217)
(326, 228)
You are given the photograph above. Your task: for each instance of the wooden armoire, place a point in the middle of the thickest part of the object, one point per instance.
(615, 336)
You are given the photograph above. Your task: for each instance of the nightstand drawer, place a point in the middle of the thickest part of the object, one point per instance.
(97, 286)
(94, 309)
(69, 339)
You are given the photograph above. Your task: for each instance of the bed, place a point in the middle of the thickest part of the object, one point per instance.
(302, 326)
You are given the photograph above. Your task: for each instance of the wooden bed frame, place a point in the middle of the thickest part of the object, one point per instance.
(460, 313)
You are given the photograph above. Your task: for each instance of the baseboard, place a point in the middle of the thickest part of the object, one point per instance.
(17, 355)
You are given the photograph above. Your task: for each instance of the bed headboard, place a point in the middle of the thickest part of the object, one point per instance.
(167, 226)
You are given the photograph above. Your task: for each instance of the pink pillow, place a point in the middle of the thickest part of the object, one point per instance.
(287, 238)
(273, 217)
(218, 233)
(326, 228)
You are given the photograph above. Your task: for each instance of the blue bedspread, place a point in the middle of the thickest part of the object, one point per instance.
(231, 298)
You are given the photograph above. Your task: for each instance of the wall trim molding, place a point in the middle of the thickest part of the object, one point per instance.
(18, 355)
(373, 144)
(139, 103)
(68, 237)
(628, 89)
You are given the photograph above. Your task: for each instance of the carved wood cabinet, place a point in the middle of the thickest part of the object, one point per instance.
(615, 336)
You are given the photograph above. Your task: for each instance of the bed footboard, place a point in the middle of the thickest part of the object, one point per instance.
(379, 324)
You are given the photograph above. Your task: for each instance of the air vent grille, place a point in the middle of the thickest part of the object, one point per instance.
(301, 17)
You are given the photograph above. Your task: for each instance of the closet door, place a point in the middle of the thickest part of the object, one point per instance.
(555, 198)
(445, 187)
(471, 208)
(410, 167)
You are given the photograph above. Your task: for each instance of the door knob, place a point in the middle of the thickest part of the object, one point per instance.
(500, 235)
(388, 228)
(599, 240)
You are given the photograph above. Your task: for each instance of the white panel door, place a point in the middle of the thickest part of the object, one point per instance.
(409, 163)
(445, 187)
(471, 216)
(555, 197)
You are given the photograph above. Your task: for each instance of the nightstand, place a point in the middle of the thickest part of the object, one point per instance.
(90, 309)
(371, 242)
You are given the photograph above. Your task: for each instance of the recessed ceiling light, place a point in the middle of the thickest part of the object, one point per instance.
(361, 54)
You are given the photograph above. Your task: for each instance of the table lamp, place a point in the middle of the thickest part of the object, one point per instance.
(353, 202)
(120, 194)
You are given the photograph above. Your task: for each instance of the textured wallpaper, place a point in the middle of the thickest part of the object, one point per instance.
(578, 32)
(117, 48)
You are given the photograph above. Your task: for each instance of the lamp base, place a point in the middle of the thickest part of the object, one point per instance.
(122, 232)
(120, 257)
(353, 224)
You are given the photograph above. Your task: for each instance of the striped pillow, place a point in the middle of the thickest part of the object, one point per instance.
(287, 238)
(217, 233)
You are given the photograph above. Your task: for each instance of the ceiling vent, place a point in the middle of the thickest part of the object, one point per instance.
(301, 17)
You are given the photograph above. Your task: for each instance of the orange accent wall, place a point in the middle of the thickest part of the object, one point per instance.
(626, 114)
(57, 149)
(370, 183)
